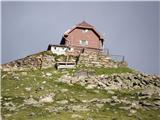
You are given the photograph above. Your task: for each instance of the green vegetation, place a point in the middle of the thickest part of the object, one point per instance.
(109, 71)
(101, 70)
(14, 86)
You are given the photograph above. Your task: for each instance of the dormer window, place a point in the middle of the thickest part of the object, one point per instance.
(83, 42)
(84, 30)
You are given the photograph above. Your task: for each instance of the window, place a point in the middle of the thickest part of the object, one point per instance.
(84, 30)
(83, 42)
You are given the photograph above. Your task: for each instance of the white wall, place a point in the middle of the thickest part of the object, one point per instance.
(59, 50)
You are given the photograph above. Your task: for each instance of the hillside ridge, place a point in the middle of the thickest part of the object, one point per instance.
(32, 88)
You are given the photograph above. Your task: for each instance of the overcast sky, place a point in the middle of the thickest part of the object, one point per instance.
(130, 28)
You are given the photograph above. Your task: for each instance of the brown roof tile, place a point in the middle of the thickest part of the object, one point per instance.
(84, 24)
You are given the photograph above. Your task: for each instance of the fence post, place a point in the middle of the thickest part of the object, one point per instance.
(123, 59)
(108, 52)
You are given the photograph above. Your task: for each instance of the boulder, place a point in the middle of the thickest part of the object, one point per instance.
(30, 101)
(76, 116)
(48, 74)
(62, 102)
(99, 105)
(28, 89)
(91, 86)
(47, 98)
(79, 108)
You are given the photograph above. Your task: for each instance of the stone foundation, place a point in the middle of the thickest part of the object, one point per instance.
(47, 59)
(99, 59)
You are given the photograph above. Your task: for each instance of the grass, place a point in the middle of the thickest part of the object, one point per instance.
(14, 84)
(101, 70)
(110, 71)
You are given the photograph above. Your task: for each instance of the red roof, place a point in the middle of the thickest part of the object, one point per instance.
(83, 25)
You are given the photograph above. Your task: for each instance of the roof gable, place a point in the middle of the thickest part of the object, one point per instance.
(83, 25)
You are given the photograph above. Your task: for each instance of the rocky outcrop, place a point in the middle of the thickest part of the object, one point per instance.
(35, 61)
(42, 60)
(115, 81)
(147, 96)
(126, 93)
(47, 59)
(99, 59)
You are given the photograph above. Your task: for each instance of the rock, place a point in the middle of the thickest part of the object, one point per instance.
(55, 109)
(79, 108)
(157, 103)
(72, 100)
(132, 111)
(43, 82)
(82, 83)
(16, 78)
(24, 73)
(146, 104)
(110, 92)
(90, 119)
(39, 88)
(146, 93)
(17, 87)
(116, 82)
(48, 74)
(30, 101)
(114, 97)
(6, 115)
(108, 100)
(84, 101)
(47, 98)
(94, 100)
(96, 91)
(99, 105)
(9, 106)
(144, 97)
(101, 84)
(126, 102)
(117, 79)
(91, 86)
(81, 74)
(64, 90)
(107, 108)
(135, 105)
(8, 98)
(28, 89)
(32, 114)
(76, 116)
(125, 108)
(3, 76)
(62, 102)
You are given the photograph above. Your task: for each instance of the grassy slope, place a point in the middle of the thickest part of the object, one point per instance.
(15, 89)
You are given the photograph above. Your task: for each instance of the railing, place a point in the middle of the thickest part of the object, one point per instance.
(106, 51)
(118, 58)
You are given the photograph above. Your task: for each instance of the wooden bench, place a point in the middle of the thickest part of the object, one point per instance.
(65, 65)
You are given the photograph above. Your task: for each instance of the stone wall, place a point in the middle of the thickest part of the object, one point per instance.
(35, 61)
(47, 59)
(42, 60)
(99, 59)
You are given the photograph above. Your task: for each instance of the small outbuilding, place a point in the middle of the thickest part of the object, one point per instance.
(59, 49)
